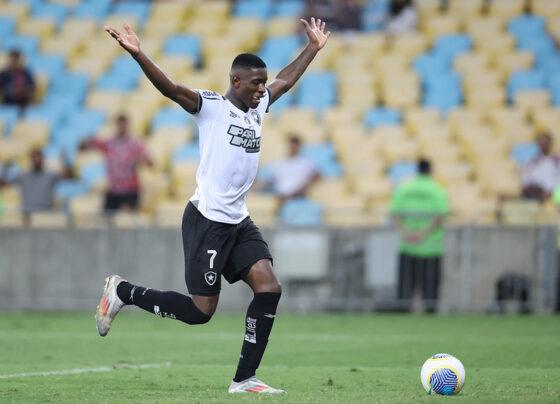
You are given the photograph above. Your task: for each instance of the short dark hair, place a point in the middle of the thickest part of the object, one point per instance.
(122, 118)
(15, 53)
(294, 138)
(424, 166)
(248, 61)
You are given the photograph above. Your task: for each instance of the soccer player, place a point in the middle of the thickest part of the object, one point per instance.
(219, 237)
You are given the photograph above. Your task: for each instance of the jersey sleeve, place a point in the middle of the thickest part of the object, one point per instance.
(209, 105)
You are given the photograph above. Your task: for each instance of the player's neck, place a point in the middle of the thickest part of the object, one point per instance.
(236, 102)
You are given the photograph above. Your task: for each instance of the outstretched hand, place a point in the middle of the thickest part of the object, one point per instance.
(128, 41)
(316, 32)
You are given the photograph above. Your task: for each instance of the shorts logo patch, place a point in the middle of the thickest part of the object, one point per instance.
(210, 277)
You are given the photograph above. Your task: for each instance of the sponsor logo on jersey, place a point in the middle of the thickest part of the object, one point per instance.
(210, 95)
(247, 120)
(251, 330)
(256, 117)
(210, 277)
(233, 114)
(245, 138)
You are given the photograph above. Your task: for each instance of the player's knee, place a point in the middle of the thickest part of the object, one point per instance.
(197, 317)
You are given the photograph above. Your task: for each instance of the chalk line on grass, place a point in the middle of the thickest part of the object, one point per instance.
(87, 370)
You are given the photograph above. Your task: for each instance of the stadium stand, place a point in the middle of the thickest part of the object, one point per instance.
(470, 90)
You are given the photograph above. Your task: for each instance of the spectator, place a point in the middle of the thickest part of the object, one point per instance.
(291, 177)
(16, 82)
(123, 154)
(418, 209)
(320, 9)
(541, 175)
(37, 186)
(402, 17)
(347, 15)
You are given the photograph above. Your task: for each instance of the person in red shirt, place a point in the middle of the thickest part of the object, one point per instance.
(123, 154)
(16, 83)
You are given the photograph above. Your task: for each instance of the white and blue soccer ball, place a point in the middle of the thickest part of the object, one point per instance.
(443, 374)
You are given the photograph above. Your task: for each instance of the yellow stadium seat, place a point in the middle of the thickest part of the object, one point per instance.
(62, 45)
(48, 220)
(505, 117)
(161, 29)
(293, 117)
(117, 20)
(506, 64)
(440, 151)
(369, 45)
(247, 31)
(532, 100)
(455, 172)
(489, 26)
(391, 65)
(152, 47)
(486, 78)
(441, 132)
(409, 44)
(86, 210)
(18, 11)
(359, 166)
(78, 28)
(416, 118)
(224, 47)
(373, 187)
(12, 219)
(554, 27)
(349, 64)
(343, 210)
(547, 118)
(205, 28)
(471, 62)
(465, 9)
(398, 150)
(485, 98)
(34, 132)
(506, 9)
(461, 117)
(170, 10)
(428, 8)
(198, 79)
(129, 219)
(440, 25)
(159, 153)
(39, 27)
(92, 67)
(326, 187)
(169, 213)
(212, 10)
(41, 86)
(401, 90)
(175, 65)
(109, 101)
(546, 8)
(183, 178)
(279, 26)
(495, 45)
(520, 212)
(154, 188)
(263, 208)
(338, 117)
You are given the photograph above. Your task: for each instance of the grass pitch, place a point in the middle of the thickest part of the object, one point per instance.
(316, 358)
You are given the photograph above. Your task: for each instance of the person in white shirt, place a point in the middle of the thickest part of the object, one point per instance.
(402, 17)
(541, 175)
(291, 177)
(219, 237)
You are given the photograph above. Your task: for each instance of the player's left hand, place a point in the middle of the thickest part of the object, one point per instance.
(316, 32)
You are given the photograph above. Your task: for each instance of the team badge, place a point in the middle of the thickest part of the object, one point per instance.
(247, 120)
(210, 277)
(256, 117)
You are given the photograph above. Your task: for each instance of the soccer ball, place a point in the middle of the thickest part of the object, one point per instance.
(443, 374)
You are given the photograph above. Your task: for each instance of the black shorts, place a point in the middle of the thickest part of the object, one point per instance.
(114, 201)
(213, 249)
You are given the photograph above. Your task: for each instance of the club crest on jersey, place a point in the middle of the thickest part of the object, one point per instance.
(256, 117)
(247, 120)
(210, 277)
(245, 138)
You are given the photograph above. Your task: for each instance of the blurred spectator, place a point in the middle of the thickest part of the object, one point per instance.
(418, 209)
(123, 154)
(401, 18)
(16, 82)
(37, 186)
(291, 177)
(347, 15)
(541, 175)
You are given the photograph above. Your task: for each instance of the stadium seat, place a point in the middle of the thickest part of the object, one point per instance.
(139, 9)
(522, 153)
(402, 171)
(525, 80)
(381, 116)
(17, 11)
(54, 11)
(184, 45)
(301, 212)
(451, 45)
(8, 115)
(27, 45)
(170, 117)
(277, 51)
(317, 90)
(324, 158)
(288, 8)
(187, 152)
(506, 9)
(253, 8)
(48, 220)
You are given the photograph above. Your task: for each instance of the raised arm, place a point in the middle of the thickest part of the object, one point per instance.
(182, 95)
(290, 74)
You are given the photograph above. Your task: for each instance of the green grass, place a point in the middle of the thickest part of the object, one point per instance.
(317, 358)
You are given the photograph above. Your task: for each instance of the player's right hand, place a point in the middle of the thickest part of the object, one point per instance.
(128, 41)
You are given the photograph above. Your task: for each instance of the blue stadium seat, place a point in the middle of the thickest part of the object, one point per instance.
(554, 86)
(13, 171)
(49, 112)
(323, 157)
(170, 117)
(141, 10)
(449, 81)
(301, 212)
(538, 45)
(522, 153)
(317, 90)
(525, 80)
(186, 45)
(282, 103)
(253, 8)
(451, 45)
(71, 85)
(117, 82)
(381, 116)
(277, 51)
(289, 8)
(97, 9)
(431, 63)
(48, 64)
(92, 173)
(549, 65)
(7, 26)
(527, 26)
(187, 152)
(57, 12)
(32, 3)
(27, 45)
(401, 171)
(373, 15)
(8, 115)
(67, 189)
(444, 101)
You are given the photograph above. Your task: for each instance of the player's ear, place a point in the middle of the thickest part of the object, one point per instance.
(235, 80)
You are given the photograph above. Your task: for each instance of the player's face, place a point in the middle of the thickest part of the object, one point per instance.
(252, 86)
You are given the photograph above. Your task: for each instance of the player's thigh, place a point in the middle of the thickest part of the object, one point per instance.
(261, 277)
(206, 245)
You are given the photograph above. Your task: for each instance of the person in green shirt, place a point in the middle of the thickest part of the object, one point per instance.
(418, 209)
